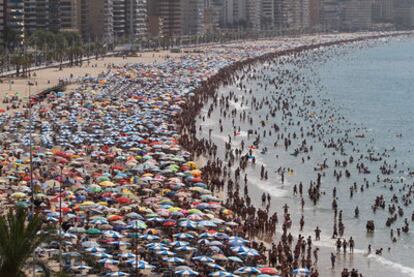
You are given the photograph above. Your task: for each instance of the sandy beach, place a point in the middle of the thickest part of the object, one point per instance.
(114, 164)
(46, 78)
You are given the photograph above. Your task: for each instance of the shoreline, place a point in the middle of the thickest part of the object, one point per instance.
(118, 148)
(228, 73)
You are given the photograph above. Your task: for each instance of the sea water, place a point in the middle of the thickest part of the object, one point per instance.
(371, 91)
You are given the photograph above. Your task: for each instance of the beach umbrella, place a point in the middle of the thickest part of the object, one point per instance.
(203, 259)
(137, 224)
(93, 231)
(215, 243)
(234, 241)
(247, 270)
(119, 273)
(221, 236)
(215, 266)
(176, 260)
(240, 248)
(134, 215)
(301, 271)
(119, 243)
(206, 235)
(165, 253)
(81, 267)
(102, 255)
(222, 273)
(127, 255)
(179, 243)
(268, 270)
(71, 254)
(108, 261)
(186, 272)
(71, 236)
(188, 224)
(149, 237)
(157, 248)
(185, 248)
(207, 223)
(112, 234)
(18, 195)
(89, 243)
(141, 264)
(99, 221)
(95, 249)
(183, 236)
(249, 253)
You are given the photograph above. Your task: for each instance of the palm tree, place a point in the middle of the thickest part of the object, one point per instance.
(18, 61)
(18, 239)
(61, 44)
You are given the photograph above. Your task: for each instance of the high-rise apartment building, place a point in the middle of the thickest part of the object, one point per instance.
(382, 11)
(267, 14)
(192, 17)
(14, 21)
(97, 20)
(36, 15)
(136, 19)
(314, 14)
(170, 13)
(119, 7)
(70, 15)
(253, 14)
(1, 23)
(355, 15)
(330, 15)
(404, 13)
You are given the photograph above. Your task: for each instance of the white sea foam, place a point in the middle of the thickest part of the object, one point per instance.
(238, 106)
(268, 187)
(409, 271)
(242, 134)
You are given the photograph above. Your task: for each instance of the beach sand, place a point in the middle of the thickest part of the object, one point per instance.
(49, 77)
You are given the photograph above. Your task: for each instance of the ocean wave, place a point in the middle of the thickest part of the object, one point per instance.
(401, 268)
(267, 187)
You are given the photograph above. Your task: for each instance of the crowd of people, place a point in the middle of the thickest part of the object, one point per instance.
(113, 170)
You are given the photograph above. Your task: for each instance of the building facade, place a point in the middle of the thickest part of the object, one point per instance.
(70, 15)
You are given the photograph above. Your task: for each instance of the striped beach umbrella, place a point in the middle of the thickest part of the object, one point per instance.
(186, 272)
(247, 270)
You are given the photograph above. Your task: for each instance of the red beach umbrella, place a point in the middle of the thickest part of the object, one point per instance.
(269, 271)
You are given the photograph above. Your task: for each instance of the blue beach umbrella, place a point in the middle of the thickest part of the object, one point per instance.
(215, 266)
(240, 248)
(183, 236)
(108, 261)
(186, 272)
(81, 267)
(119, 273)
(95, 249)
(127, 255)
(203, 259)
(103, 255)
(301, 271)
(222, 273)
(141, 264)
(185, 248)
(175, 260)
(247, 270)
